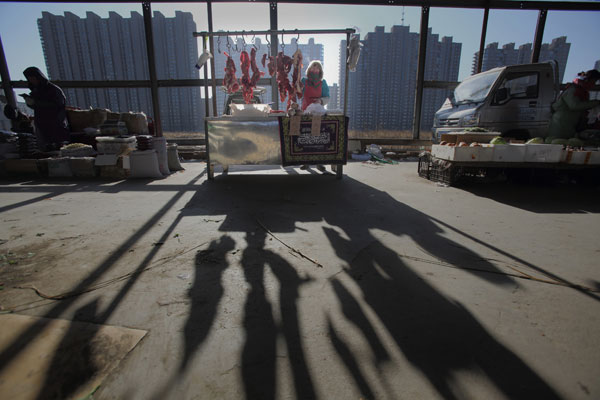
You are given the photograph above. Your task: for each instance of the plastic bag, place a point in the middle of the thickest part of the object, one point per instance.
(315, 109)
(375, 150)
(204, 57)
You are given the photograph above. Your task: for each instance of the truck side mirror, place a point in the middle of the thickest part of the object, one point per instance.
(501, 95)
(451, 98)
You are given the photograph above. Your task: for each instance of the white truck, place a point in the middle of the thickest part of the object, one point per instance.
(514, 100)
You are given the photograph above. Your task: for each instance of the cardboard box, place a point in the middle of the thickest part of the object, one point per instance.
(21, 166)
(83, 167)
(117, 171)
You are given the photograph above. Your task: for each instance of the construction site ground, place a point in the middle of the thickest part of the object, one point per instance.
(282, 283)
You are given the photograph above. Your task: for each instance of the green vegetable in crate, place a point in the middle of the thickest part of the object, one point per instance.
(498, 140)
(575, 142)
(537, 140)
(549, 139)
(564, 142)
(475, 129)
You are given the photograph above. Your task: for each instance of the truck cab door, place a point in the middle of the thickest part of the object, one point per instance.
(514, 105)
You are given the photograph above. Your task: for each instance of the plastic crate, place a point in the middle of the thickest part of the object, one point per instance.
(424, 164)
(444, 172)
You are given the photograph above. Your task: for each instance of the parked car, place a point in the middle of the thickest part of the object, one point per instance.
(514, 100)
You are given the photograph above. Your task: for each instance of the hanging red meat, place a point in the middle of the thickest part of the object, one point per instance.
(247, 89)
(271, 65)
(297, 85)
(256, 73)
(284, 66)
(230, 81)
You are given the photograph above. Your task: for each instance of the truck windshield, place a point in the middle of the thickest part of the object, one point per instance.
(475, 88)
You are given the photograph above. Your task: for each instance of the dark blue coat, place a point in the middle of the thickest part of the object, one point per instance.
(50, 115)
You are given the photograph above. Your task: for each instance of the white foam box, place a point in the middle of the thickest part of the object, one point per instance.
(59, 167)
(594, 157)
(544, 153)
(486, 152)
(509, 152)
(455, 153)
(578, 157)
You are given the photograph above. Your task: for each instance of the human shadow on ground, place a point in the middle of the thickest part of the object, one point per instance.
(259, 354)
(438, 335)
(205, 295)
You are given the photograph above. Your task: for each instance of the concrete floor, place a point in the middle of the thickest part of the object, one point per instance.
(286, 284)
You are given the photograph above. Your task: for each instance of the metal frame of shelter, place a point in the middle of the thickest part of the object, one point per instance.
(154, 83)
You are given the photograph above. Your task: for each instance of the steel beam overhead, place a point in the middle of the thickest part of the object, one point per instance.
(482, 4)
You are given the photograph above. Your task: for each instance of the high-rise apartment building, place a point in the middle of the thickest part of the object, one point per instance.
(310, 51)
(494, 57)
(334, 97)
(114, 48)
(381, 92)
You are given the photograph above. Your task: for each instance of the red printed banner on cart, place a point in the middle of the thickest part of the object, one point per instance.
(329, 146)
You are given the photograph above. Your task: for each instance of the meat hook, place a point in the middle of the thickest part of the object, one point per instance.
(282, 44)
(219, 44)
(297, 39)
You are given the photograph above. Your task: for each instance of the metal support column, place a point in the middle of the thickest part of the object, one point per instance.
(8, 90)
(423, 33)
(212, 51)
(274, 47)
(206, 96)
(346, 75)
(486, 14)
(539, 35)
(152, 67)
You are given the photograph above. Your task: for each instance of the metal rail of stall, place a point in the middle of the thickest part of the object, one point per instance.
(263, 125)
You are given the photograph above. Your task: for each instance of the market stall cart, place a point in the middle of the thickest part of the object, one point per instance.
(275, 138)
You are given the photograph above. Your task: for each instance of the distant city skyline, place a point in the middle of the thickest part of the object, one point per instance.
(381, 93)
(95, 48)
(20, 38)
(499, 55)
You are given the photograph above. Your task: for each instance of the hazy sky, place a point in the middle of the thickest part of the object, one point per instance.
(20, 37)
